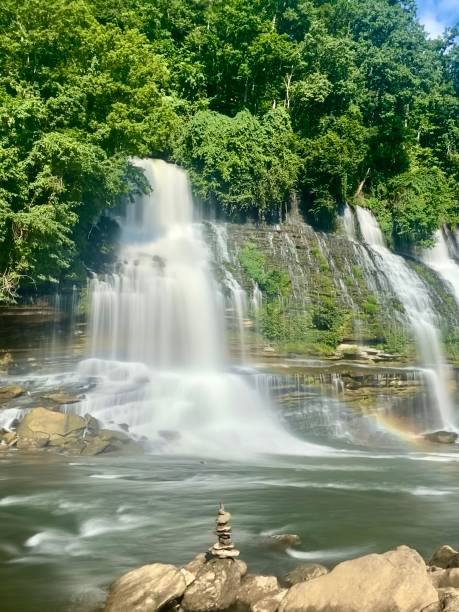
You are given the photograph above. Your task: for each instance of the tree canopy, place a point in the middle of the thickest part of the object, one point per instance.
(335, 99)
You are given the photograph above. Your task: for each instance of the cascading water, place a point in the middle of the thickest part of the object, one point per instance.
(157, 338)
(439, 259)
(414, 296)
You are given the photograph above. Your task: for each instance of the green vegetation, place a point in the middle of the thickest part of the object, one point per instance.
(336, 99)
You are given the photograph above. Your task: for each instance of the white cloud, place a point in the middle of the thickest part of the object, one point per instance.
(434, 27)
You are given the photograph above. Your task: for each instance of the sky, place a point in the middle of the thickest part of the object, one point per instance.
(438, 14)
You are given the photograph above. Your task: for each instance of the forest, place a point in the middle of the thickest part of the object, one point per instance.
(335, 100)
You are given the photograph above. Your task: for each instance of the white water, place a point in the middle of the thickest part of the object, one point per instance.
(439, 259)
(157, 347)
(418, 308)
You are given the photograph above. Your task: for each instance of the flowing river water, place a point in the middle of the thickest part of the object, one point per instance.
(283, 461)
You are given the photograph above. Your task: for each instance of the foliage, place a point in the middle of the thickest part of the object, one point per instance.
(337, 99)
(273, 282)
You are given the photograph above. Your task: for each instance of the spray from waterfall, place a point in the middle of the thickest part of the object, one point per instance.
(414, 296)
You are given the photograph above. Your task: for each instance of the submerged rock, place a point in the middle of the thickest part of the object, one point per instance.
(146, 589)
(282, 541)
(215, 587)
(396, 581)
(303, 573)
(441, 437)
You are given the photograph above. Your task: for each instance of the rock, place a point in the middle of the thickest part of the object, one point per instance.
(92, 424)
(445, 557)
(254, 588)
(192, 568)
(9, 437)
(10, 392)
(443, 579)
(95, 446)
(282, 541)
(396, 581)
(189, 577)
(50, 422)
(146, 589)
(441, 437)
(38, 440)
(110, 435)
(270, 603)
(61, 398)
(242, 566)
(449, 599)
(303, 573)
(215, 588)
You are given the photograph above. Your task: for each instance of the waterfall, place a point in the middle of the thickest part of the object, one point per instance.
(439, 259)
(418, 308)
(157, 343)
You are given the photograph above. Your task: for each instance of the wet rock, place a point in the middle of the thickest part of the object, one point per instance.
(50, 422)
(303, 573)
(38, 440)
(8, 437)
(271, 602)
(254, 588)
(396, 581)
(95, 446)
(282, 541)
(61, 398)
(111, 435)
(146, 589)
(92, 424)
(441, 437)
(215, 588)
(445, 557)
(10, 392)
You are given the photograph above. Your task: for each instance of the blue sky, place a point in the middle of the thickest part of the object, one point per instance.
(438, 14)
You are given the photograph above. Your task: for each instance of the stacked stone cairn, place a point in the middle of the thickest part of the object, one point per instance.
(224, 548)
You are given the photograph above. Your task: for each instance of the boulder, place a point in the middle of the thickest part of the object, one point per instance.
(449, 599)
(50, 422)
(10, 392)
(146, 589)
(271, 602)
(37, 440)
(242, 566)
(254, 588)
(396, 581)
(303, 573)
(191, 569)
(94, 446)
(215, 587)
(441, 437)
(443, 579)
(445, 557)
(61, 398)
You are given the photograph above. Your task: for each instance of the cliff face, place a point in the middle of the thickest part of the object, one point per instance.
(337, 290)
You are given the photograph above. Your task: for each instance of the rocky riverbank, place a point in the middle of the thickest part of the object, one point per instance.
(396, 581)
(65, 433)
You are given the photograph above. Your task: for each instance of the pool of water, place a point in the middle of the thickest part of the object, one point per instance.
(69, 527)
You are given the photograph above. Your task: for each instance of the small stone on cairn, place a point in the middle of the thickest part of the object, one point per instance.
(224, 548)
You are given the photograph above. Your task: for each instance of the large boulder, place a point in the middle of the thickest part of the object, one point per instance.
(55, 424)
(449, 599)
(445, 557)
(146, 589)
(254, 588)
(215, 587)
(396, 581)
(303, 573)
